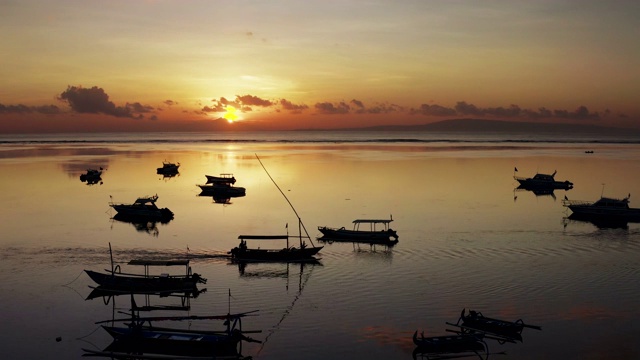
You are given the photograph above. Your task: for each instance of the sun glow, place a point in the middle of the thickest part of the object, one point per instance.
(230, 115)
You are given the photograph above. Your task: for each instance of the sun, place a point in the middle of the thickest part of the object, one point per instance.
(230, 115)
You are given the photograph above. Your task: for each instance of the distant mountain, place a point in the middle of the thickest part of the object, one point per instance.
(497, 126)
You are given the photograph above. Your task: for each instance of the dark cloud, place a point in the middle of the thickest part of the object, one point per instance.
(170, 102)
(96, 101)
(581, 113)
(289, 106)
(357, 103)
(513, 111)
(250, 100)
(330, 108)
(24, 109)
(433, 110)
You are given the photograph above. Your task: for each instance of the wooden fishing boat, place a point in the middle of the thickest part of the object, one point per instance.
(544, 181)
(144, 208)
(143, 338)
(223, 178)
(287, 253)
(368, 235)
(476, 322)
(114, 279)
(449, 344)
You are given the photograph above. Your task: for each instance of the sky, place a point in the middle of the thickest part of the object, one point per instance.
(207, 65)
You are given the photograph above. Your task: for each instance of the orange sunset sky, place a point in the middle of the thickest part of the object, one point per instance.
(201, 65)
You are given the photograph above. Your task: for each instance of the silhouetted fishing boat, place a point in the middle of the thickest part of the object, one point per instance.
(223, 178)
(114, 279)
(370, 235)
(604, 209)
(545, 181)
(143, 208)
(287, 253)
(168, 168)
(502, 329)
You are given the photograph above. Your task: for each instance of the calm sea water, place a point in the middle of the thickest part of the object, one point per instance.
(468, 239)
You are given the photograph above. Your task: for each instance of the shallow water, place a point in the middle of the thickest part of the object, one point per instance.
(467, 240)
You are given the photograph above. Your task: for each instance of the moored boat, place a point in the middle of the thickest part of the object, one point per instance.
(287, 253)
(168, 168)
(143, 207)
(476, 322)
(370, 235)
(545, 181)
(114, 279)
(225, 178)
(92, 176)
(604, 209)
(304, 252)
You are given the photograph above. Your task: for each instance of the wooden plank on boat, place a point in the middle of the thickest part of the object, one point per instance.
(158, 262)
(263, 237)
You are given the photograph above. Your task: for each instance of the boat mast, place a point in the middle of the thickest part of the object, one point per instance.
(300, 224)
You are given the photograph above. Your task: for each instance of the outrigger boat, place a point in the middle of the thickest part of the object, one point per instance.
(288, 254)
(371, 235)
(143, 207)
(465, 344)
(223, 178)
(148, 341)
(544, 181)
(114, 279)
(501, 330)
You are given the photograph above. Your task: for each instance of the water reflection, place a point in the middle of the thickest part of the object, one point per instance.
(599, 222)
(142, 224)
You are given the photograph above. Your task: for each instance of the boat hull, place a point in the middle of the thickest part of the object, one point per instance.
(139, 212)
(173, 343)
(286, 254)
(605, 213)
(222, 190)
(384, 236)
(448, 344)
(144, 283)
(536, 184)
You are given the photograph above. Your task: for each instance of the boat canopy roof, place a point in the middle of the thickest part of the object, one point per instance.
(158, 262)
(263, 237)
(147, 199)
(373, 221)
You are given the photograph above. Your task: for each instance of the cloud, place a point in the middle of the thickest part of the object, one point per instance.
(289, 106)
(433, 110)
(96, 101)
(330, 108)
(24, 109)
(170, 102)
(250, 100)
(462, 108)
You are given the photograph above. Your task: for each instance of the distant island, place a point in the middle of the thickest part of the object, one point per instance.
(498, 126)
